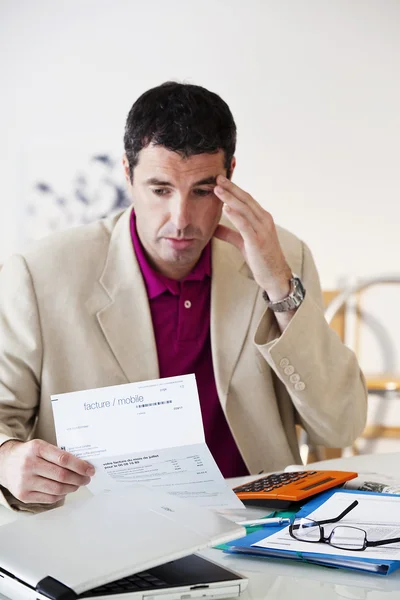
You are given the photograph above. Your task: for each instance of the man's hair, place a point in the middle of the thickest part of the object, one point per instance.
(181, 117)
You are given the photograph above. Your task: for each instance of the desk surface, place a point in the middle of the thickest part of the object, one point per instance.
(284, 580)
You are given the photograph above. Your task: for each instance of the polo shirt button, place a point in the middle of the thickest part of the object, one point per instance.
(187, 304)
(284, 363)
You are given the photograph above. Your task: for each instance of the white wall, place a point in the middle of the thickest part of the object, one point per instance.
(314, 86)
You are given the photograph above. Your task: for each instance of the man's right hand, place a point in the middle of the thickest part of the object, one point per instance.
(38, 472)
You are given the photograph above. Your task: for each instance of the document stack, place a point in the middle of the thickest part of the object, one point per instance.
(366, 537)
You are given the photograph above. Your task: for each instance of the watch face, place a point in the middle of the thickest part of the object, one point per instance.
(299, 290)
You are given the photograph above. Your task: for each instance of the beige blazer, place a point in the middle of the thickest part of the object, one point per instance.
(74, 315)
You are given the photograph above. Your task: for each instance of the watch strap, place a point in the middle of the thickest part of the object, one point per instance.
(292, 301)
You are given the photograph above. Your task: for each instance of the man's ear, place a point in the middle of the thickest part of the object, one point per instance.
(232, 167)
(127, 173)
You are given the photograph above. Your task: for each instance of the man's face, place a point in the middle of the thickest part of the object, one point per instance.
(175, 206)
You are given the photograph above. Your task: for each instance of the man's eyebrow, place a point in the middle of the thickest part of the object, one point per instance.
(207, 180)
(155, 181)
(212, 180)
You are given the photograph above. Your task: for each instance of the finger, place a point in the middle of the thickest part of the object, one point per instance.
(241, 223)
(63, 459)
(52, 471)
(239, 207)
(52, 488)
(40, 498)
(226, 234)
(240, 194)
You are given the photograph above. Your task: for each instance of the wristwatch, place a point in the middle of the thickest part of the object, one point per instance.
(293, 300)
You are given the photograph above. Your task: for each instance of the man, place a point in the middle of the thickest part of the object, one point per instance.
(166, 289)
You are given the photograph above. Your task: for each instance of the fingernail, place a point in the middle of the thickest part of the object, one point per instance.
(219, 190)
(90, 471)
(222, 179)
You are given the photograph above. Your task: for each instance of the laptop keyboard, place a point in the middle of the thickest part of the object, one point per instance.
(132, 583)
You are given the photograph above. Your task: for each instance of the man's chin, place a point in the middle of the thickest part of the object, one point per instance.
(188, 253)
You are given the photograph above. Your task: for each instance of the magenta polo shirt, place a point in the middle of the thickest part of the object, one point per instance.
(180, 311)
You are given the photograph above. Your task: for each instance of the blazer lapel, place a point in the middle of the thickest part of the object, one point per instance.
(233, 296)
(124, 316)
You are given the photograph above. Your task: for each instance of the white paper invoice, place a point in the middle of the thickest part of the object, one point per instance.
(147, 432)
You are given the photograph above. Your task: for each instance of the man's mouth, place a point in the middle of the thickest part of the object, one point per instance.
(180, 243)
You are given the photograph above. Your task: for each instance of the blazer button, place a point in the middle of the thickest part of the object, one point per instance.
(284, 363)
(295, 378)
(300, 386)
(288, 370)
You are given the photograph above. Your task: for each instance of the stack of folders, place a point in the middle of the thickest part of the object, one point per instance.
(378, 515)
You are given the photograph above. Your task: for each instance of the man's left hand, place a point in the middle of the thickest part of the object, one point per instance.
(256, 237)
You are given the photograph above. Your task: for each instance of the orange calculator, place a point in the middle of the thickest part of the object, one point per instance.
(280, 490)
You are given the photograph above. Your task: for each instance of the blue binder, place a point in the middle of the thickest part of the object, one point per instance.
(244, 545)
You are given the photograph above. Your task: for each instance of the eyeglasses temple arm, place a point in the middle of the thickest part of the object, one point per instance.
(343, 514)
(383, 542)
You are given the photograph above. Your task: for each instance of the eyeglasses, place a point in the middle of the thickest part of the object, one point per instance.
(343, 537)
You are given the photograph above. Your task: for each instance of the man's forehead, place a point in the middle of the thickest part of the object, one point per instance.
(156, 161)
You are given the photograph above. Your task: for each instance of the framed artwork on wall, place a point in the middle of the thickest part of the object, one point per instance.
(64, 189)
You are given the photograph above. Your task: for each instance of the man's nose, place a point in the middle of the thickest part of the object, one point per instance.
(180, 212)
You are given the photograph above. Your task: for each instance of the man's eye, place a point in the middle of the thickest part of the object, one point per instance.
(160, 191)
(202, 192)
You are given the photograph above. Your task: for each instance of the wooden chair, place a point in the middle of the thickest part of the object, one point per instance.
(341, 307)
(346, 305)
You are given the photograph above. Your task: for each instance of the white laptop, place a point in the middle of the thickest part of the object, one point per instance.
(133, 545)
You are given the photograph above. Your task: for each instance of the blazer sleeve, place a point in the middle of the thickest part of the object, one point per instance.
(20, 356)
(320, 373)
